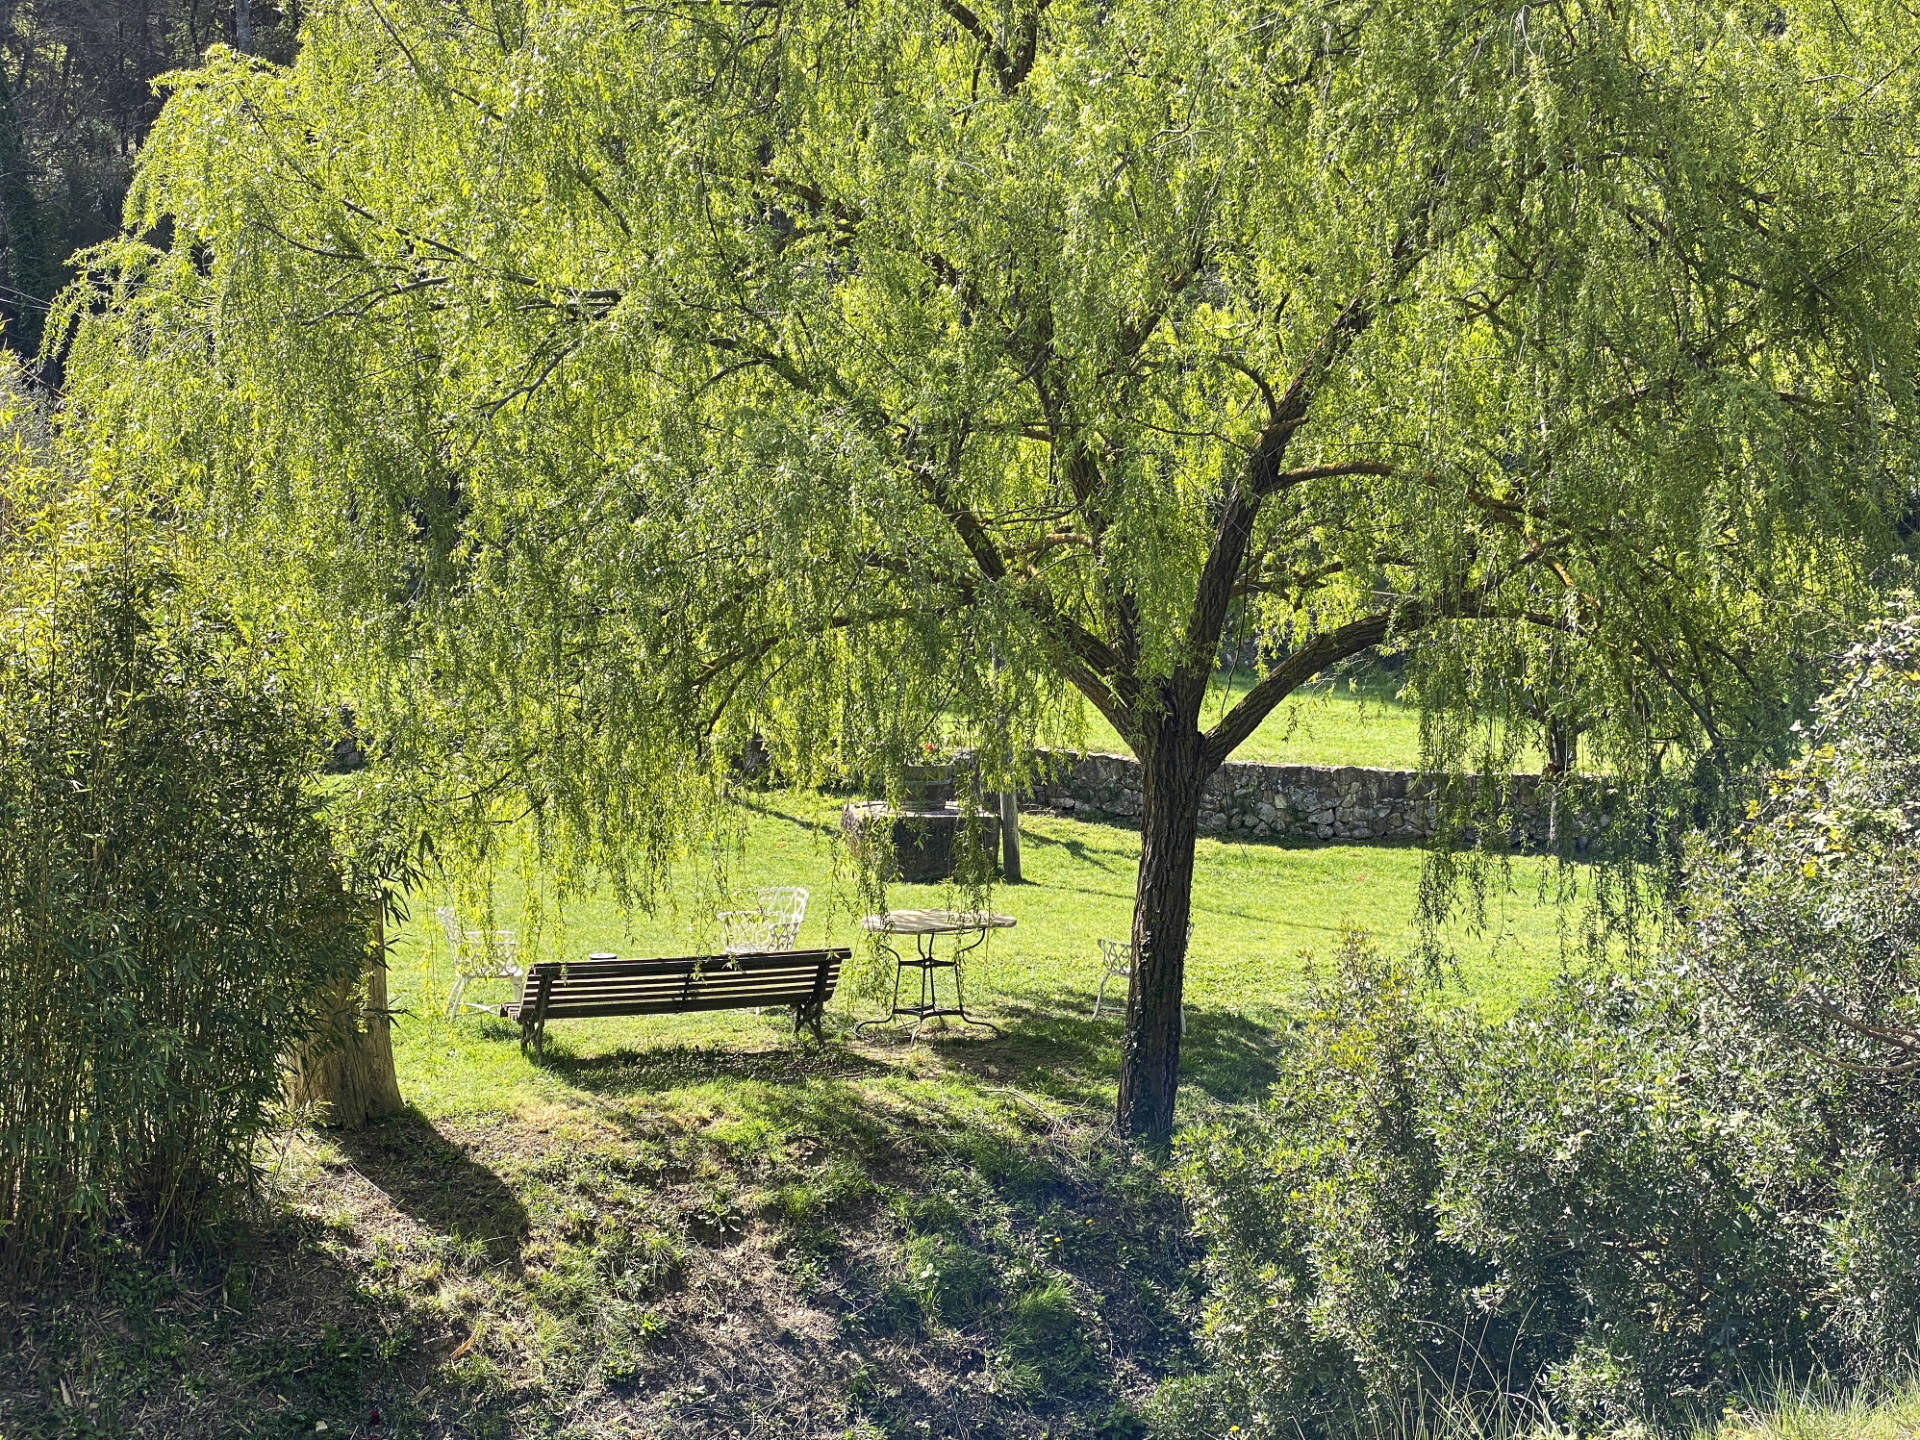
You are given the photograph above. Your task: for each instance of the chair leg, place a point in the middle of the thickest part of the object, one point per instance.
(1100, 994)
(453, 1000)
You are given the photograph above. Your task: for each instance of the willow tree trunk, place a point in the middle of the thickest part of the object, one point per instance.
(1173, 773)
(348, 1067)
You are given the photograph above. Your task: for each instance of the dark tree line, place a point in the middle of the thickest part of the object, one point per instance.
(76, 99)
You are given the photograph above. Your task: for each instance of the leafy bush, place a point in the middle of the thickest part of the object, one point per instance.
(1809, 922)
(1332, 1289)
(1648, 1195)
(1608, 1203)
(170, 909)
(1632, 1198)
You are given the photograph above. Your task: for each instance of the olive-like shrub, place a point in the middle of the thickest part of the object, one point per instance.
(1634, 1197)
(1810, 922)
(171, 911)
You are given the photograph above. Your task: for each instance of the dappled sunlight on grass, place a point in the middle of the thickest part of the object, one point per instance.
(696, 1225)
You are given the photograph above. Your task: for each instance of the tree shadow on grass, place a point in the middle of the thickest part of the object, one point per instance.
(259, 1319)
(438, 1183)
(1053, 1047)
(1233, 1057)
(773, 811)
(629, 1071)
(1078, 848)
(1049, 1045)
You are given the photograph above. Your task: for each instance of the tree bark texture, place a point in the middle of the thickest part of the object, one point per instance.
(1172, 776)
(1010, 837)
(348, 1067)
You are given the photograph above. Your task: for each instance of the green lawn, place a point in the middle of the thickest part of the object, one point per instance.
(1262, 912)
(1333, 721)
(683, 1228)
(1354, 719)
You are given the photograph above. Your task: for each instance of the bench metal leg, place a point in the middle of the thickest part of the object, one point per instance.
(533, 1034)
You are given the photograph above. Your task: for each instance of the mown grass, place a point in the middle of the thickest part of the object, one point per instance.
(1350, 717)
(1354, 719)
(1262, 913)
(703, 1227)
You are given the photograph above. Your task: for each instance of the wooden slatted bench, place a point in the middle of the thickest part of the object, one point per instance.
(580, 989)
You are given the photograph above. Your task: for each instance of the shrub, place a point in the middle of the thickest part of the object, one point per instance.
(170, 909)
(1632, 1198)
(1647, 1195)
(1809, 921)
(1613, 1203)
(1332, 1292)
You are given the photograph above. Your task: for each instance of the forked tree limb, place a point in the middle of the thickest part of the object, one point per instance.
(1302, 665)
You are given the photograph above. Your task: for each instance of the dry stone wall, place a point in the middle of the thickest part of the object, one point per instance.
(1315, 802)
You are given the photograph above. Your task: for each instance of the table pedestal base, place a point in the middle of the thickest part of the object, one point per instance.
(929, 1006)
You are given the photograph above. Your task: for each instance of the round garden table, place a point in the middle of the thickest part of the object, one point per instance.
(967, 927)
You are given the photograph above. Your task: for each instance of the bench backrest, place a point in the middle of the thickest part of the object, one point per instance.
(693, 982)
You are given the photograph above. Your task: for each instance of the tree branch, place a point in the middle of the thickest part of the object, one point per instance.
(1299, 667)
(1290, 478)
(1009, 69)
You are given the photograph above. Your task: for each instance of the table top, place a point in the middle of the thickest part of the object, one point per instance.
(935, 922)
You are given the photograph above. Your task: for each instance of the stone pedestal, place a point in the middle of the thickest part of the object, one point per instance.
(927, 840)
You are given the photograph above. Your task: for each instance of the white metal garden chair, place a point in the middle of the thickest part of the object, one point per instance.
(1117, 957)
(773, 923)
(477, 955)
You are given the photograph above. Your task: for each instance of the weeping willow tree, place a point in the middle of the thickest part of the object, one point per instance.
(594, 386)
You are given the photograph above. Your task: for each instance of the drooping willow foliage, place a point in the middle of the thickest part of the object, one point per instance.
(596, 387)
(172, 909)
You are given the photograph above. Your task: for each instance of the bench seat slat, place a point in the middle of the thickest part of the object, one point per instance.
(704, 982)
(797, 985)
(560, 1012)
(711, 977)
(632, 1006)
(724, 985)
(682, 965)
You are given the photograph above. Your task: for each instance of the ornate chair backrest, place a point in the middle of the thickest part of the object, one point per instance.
(785, 907)
(742, 931)
(450, 923)
(1120, 954)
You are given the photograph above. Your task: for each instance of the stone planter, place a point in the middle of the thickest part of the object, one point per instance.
(927, 841)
